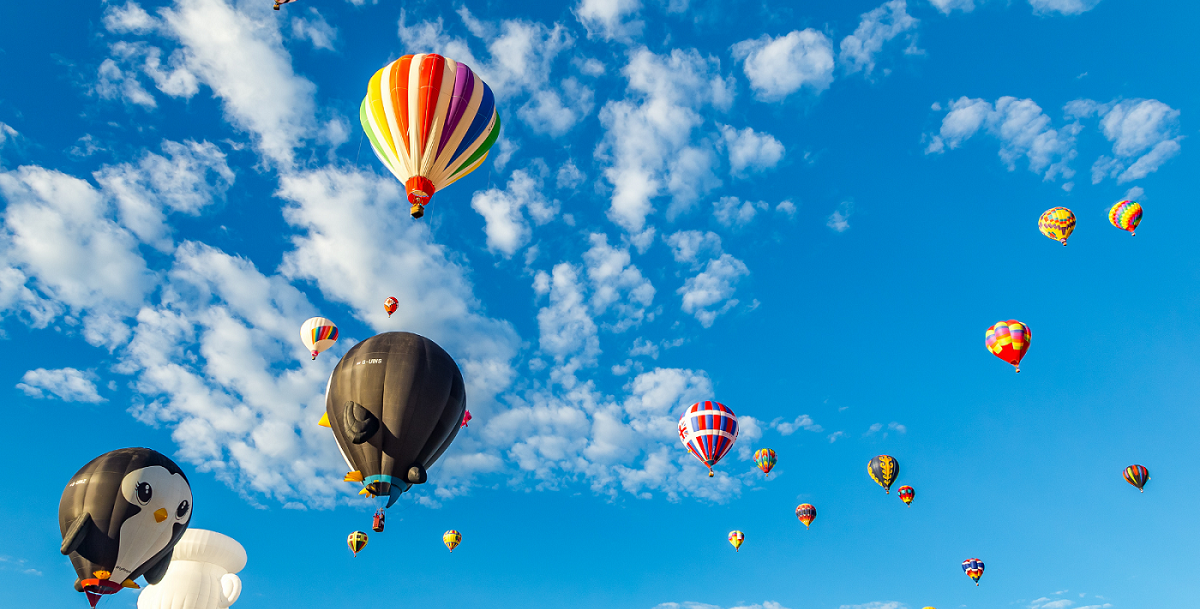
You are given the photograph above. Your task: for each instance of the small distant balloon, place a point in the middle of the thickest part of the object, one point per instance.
(466, 419)
(1137, 476)
(1057, 223)
(708, 431)
(318, 335)
(973, 567)
(906, 494)
(764, 458)
(1009, 341)
(736, 538)
(278, 2)
(883, 470)
(390, 305)
(451, 538)
(1126, 215)
(357, 541)
(807, 513)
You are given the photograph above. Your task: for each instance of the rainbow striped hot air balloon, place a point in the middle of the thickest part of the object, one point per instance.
(318, 334)
(736, 538)
(807, 513)
(973, 567)
(431, 121)
(1137, 476)
(708, 431)
(1057, 223)
(764, 458)
(1126, 215)
(452, 538)
(1009, 341)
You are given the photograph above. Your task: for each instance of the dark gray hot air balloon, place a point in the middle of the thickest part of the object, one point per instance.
(120, 518)
(394, 403)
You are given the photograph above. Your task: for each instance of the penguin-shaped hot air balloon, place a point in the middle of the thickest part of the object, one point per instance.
(120, 518)
(395, 403)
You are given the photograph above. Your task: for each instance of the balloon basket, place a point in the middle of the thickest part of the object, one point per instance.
(417, 211)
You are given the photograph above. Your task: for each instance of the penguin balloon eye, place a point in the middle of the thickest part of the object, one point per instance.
(182, 510)
(144, 492)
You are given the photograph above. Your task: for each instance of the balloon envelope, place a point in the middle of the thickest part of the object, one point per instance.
(1057, 223)
(120, 518)
(1137, 476)
(736, 538)
(907, 493)
(883, 470)
(807, 513)
(1009, 341)
(201, 575)
(1126, 215)
(390, 305)
(431, 121)
(764, 458)
(708, 431)
(357, 541)
(973, 567)
(451, 538)
(318, 334)
(394, 404)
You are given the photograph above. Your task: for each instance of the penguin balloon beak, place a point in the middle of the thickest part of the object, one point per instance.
(160, 515)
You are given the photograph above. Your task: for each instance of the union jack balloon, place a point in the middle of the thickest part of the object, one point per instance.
(708, 430)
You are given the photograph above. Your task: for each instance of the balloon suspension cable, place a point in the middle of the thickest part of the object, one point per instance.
(1018, 367)
(360, 139)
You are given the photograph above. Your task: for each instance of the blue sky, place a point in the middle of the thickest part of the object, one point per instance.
(808, 211)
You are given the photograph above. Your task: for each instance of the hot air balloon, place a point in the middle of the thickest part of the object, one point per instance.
(1126, 215)
(974, 569)
(120, 518)
(1137, 476)
(318, 335)
(431, 121)
(390, 305)
(1009, 341)
(202, 574)
(466, 418)
(736, 538)
(278, 2)
(451, 538)
(906, 494)
(394, 403)
(884, 470)
(764, 458)
(708, 430)
(357, 541)
(1057, 223)
(807, 513)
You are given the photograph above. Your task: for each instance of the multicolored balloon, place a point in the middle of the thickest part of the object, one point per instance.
(318, 335)
(973, 568)
(452, 538)
(736, 538)
(764, 458)
(883, 470)
(708, 430)
(1057, 223)
(357, 541)
(906, 494)
(1126, 215)
(807, 513)
(390, 305)
(1009, 341)
(1137, 476)
(431, 121)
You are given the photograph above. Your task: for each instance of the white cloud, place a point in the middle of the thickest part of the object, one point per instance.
(617, 283)
(803, 421)
(113, 82)
(504, 211)
(1136, 193)
(730, 211)
(878, 26)
(1144, 134)
(833, 437)
(129, 18)
(241, 58)
(749, 149)
(1022, 129)
(567, 330)
(1065, 7)
(608, 19)
(68, 384)
(713, 286)
(778, 67)
(947, 6)
(315, 29)
(689, 245)
(554, 113)
(787, 208)
(648, 146)
(193, 177)
(569, 176)
(839, 220)
(7, 133)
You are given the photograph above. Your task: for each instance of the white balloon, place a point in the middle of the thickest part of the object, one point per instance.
(201, 575)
